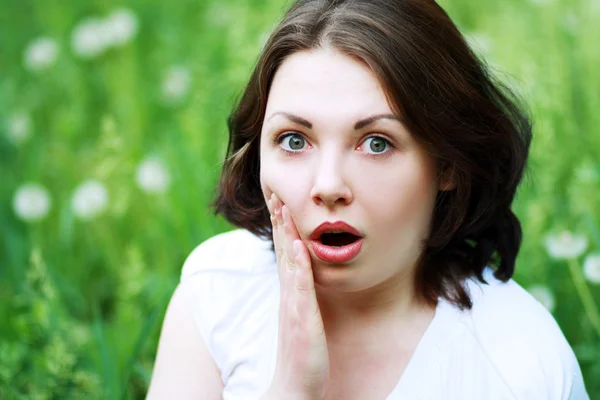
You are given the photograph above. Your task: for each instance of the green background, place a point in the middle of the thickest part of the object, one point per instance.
(81, 301)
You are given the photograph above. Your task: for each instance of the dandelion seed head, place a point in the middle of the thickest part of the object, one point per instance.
(587, 173)
(565, 245)
(571, 22)
(40, 54)
(89, 38)
(19, 128)
(480, 42)
(152, 176)
(544, 295)
(542, 2)
(176, 84)
(89, 200)
(219, 14)
(120, 27)
(31, 202)
(591, 268)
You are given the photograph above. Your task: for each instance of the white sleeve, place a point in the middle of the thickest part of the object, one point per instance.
(197, 283)
(526, 344)
(560, 376)
(574, 380)
(227, 280)
(564, 378)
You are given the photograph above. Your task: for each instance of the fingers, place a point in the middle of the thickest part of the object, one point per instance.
(275, 210)
(303, 272)
(285, 259)
(293, 257)
(291, 234)
(285, 277)
(284, 230)
(306, 302)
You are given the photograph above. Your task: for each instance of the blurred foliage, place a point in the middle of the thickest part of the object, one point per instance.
(119, 122)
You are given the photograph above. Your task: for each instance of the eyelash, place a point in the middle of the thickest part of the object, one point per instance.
(283, 136)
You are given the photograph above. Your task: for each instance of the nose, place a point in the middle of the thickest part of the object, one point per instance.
(330, 187)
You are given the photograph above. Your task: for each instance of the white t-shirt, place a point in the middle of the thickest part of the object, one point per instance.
(508, 346)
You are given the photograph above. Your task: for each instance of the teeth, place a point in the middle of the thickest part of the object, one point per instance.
(335, 232)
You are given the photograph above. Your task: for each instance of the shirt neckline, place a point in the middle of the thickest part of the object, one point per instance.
(426, 353)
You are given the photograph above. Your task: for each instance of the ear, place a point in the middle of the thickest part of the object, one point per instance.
(447, 178)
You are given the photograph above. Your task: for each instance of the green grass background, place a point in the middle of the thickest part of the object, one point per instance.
(81, 303)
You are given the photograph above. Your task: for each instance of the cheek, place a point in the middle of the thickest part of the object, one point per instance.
(284, 179)
(268, 176)
(402, 194)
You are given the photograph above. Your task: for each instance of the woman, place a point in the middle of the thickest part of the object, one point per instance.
(371, 168)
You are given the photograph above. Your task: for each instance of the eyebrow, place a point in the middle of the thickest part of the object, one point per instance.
(359, 125)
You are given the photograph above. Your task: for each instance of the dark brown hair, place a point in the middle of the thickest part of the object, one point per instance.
(446, 98)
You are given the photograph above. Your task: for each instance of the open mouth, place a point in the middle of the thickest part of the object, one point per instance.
(338, 239)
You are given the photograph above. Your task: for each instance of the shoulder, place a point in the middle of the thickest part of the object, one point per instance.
(503, 305)
(234, 251)
(230, 284)
(224, 273)
(522, 340)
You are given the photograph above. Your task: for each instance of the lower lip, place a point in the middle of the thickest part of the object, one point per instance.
(337, 255)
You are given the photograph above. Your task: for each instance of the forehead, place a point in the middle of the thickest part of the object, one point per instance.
(326, 83)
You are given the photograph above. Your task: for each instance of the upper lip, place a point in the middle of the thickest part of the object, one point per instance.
(333, 226)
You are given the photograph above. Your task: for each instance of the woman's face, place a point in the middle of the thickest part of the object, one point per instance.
(331, 150)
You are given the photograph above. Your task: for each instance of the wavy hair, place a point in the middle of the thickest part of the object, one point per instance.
(447, 99)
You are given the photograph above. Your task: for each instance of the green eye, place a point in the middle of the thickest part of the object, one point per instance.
(377, 144)
(295, 142)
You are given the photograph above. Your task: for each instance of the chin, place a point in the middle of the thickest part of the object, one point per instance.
(339, 277)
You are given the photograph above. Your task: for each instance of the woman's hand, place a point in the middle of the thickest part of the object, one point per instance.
(302, 358)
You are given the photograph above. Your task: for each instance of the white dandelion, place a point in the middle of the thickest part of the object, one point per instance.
(219, 14)
(587, 173)
(120, 27)
(89, 38)
(542, 2)
(152, 176)
(176, 84)
(263, 38)
(19, 127)
(544, 295)
(89, 200)
(31, 202)
(591, 268)
(571, 22)
(480, 42)
(40, 54)
(565, 245)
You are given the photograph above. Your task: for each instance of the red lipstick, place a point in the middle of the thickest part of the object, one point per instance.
(335, 254)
